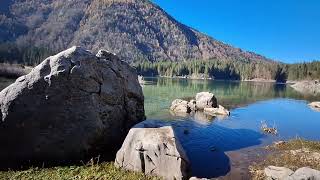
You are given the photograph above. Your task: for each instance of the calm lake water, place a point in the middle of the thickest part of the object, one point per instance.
(226, 146)
(214, 145)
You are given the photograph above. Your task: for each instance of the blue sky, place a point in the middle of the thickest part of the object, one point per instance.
(285, 30)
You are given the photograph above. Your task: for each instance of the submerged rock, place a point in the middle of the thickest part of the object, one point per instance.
(71, 106)
(217, 111)
(153, 151)
(206, 100)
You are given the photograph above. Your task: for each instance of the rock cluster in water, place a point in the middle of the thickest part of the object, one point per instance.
(71, 106)
(205, 102)
(153, 150)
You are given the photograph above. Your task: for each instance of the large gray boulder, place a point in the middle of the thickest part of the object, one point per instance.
(206, 100)
(72, 106)
(153, 151)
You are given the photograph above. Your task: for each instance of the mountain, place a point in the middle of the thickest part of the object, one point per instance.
(136, 30)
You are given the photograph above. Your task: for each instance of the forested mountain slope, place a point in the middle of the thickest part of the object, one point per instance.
(136, 30)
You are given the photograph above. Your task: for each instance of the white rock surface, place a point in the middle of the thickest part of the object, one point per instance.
(180, 106)
(277, 173)
(305, 173)
(315, 106)
(206, 100)
(153, 151)
(283, 173)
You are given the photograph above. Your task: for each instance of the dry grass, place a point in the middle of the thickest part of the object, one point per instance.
(293, 155)
(91, 171)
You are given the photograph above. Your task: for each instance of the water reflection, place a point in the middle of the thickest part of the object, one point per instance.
(160, 92)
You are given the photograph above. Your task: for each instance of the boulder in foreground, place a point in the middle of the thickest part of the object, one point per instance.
(71, 106)
(154, 151)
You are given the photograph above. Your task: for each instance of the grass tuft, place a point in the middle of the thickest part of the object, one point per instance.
(90, 171)
(294, 154)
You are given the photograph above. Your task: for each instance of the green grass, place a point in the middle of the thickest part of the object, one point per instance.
(91, 171)
(282, 156)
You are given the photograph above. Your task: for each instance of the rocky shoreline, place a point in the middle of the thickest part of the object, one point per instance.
(307, 87)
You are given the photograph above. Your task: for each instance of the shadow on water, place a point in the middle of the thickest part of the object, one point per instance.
(206, 144)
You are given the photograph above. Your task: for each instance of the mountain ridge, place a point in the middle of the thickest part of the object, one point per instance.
(136, 30)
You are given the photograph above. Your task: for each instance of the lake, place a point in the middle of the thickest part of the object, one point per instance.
(226, 146)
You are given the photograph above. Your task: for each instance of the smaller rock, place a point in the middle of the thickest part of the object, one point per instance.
(277, 173)
(180, 106)
(153, 151)
(217, 111)
(315, 105)
(206, 100)
(304, 174)
(192, 105)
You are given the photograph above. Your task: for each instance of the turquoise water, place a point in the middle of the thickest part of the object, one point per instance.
(207, 140)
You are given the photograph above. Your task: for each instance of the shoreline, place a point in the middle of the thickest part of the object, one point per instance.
(13, 70)
(289, 82)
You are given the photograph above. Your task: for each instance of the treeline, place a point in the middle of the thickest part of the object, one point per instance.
(216, 69)
(302, 71)
(30, 56)
(231, 70)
